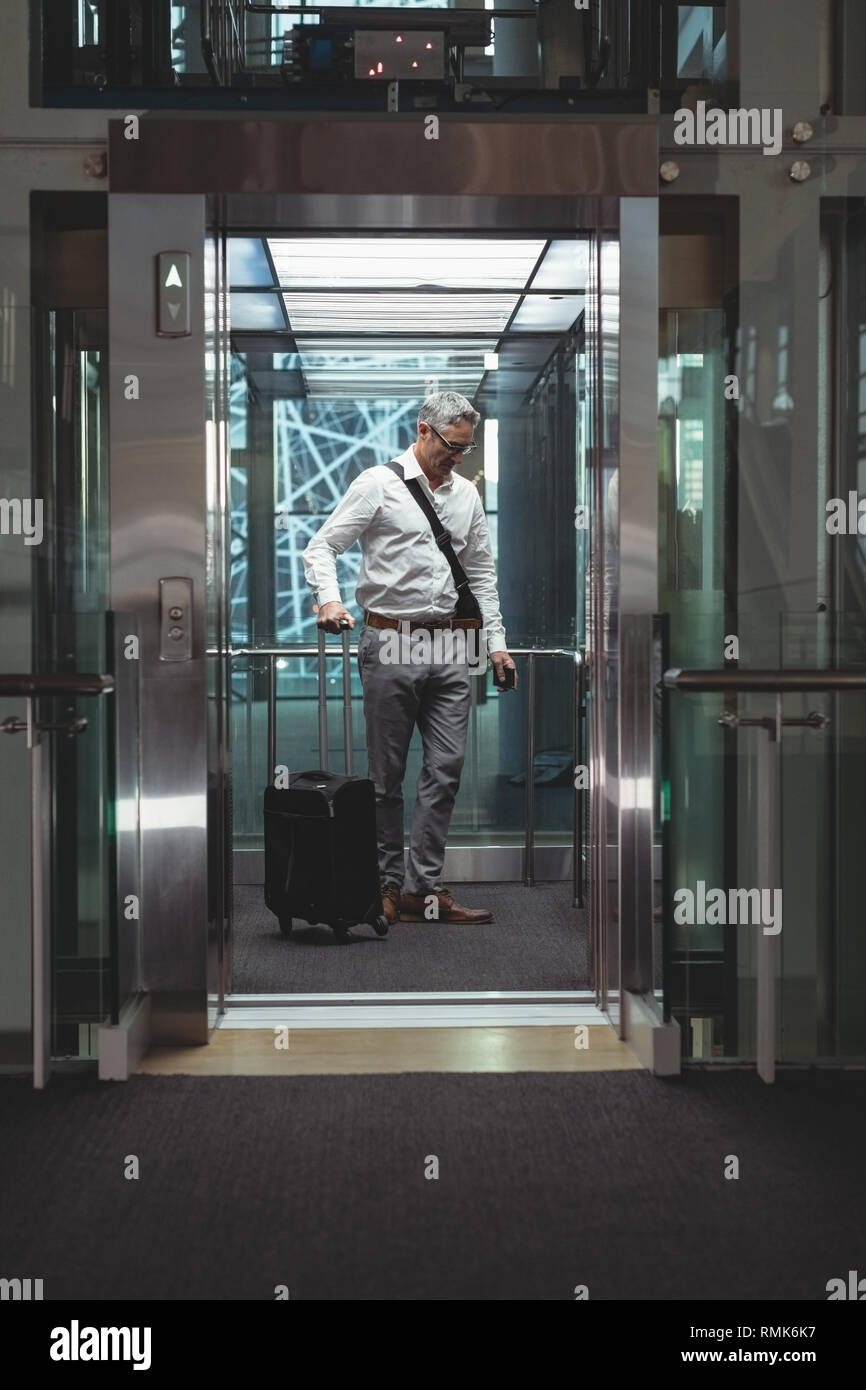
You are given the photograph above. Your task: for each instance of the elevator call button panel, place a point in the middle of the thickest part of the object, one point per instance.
(172, 294)
(175, 619)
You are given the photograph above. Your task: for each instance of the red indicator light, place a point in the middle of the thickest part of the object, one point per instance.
(372, 72)
(428, 45)
(414, 64)
(399, 38)
(378, 67)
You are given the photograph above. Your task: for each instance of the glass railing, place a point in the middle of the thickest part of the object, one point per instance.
(82, 730)
(274, 724)
(762, 926)
(79, 772)
(95, 842)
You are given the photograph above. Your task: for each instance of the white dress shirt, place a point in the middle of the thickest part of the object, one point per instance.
(403, 572)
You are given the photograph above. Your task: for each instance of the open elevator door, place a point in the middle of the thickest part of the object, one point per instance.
(621, 496)
(177, 190)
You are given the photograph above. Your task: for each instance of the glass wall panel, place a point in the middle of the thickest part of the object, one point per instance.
(697, 542)
(691, 550)
(20, 326)
(819, 966)
(701, 42)
(841, 628)
(73, 637)
(764, 554)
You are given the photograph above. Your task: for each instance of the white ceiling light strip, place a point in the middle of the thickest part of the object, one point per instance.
(405, 262)
(389, 312)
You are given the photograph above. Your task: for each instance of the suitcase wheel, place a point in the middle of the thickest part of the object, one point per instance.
(380, 926)
(285, 924)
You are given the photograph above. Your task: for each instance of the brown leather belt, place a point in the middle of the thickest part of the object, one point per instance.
(380, 620)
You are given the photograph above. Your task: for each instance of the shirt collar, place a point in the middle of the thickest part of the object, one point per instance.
(413, 469)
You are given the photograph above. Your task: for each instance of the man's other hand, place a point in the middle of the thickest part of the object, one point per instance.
(501, 663)
(330, 615)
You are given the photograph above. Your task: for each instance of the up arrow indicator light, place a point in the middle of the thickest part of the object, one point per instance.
(172, 295)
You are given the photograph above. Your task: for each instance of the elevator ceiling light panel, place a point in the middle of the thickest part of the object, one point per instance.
(407, 349)
(257, 312)
(546, 313)
(389, 312)
(358, 287)
(248, 262)
(334, 263)
(564, 266)
(378, 370)
(382, 385)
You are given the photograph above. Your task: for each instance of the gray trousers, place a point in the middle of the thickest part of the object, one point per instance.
(396, 698)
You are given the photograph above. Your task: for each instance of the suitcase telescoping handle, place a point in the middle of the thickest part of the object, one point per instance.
(347, 702)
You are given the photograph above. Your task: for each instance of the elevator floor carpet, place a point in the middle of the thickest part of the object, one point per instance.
(614, 1180)
(537, 941)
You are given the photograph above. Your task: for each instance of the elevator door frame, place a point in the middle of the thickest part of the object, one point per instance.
(193, 995)
(620, 876)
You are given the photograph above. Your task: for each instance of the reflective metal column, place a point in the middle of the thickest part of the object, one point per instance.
(638, 582)
(158, 512)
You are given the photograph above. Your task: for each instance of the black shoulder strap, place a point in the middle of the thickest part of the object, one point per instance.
(443, 539)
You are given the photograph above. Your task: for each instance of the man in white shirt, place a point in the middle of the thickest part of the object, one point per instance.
(405, 577)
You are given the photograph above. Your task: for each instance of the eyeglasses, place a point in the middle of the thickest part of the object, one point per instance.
(452, 448)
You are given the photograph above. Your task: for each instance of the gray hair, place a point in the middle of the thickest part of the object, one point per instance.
(445, 408)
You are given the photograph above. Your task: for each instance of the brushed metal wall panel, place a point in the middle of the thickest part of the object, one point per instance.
(158, 511)
(638, 484)
(388, 155)
(638, 584)
(399, 212)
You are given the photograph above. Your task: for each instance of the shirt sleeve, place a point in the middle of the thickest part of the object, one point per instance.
(351, 516)
(477, 561)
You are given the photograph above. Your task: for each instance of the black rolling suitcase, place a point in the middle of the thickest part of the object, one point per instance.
(321, 859)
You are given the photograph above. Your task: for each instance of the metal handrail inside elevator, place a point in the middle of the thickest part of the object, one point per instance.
(274, 653)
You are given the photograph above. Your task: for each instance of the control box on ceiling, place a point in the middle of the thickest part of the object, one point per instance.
(398, 55)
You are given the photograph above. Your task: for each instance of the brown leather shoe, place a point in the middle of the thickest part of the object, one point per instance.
(390, 902)
(413, 909)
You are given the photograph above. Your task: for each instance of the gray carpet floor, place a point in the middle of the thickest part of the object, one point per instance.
(612, 1180)
(537, 941)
